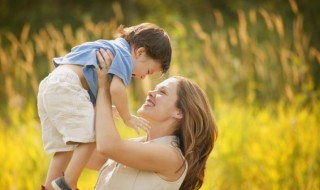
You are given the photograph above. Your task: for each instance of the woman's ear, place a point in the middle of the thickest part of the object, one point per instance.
(178, 114)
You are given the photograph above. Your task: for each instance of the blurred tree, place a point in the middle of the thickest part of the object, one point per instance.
(14, 14)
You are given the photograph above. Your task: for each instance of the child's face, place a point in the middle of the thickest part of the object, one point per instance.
(143, 64)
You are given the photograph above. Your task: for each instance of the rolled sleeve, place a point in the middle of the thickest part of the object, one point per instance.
(121, 67)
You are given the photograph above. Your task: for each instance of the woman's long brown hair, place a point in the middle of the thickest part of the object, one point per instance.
(197, 131)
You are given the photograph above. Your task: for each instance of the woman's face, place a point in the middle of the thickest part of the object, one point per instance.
(160, 102)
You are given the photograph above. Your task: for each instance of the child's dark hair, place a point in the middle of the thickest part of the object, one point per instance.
(154, 39)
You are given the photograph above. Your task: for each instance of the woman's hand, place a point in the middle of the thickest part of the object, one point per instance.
(105, 58)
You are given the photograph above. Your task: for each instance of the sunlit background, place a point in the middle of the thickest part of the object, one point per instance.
(258, 61)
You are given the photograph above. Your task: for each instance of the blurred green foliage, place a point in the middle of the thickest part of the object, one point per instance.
(14, 14)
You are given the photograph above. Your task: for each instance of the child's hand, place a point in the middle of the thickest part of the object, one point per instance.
(138, 122)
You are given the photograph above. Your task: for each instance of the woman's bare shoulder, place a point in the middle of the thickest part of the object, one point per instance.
(139, 139)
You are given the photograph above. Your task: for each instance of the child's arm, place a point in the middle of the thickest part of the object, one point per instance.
(119, 96)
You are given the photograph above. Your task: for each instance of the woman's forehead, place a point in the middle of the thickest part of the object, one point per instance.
(167, 83)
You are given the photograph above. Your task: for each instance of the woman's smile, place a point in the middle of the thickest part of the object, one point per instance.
(149, 102)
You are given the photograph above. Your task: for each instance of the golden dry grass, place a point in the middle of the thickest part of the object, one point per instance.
(257, 60)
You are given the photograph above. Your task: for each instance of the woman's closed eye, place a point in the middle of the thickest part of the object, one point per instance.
(162, 91)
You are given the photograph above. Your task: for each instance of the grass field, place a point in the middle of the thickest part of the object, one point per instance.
(257, 74)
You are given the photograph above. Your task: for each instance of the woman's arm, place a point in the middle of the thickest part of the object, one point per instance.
(155, 157)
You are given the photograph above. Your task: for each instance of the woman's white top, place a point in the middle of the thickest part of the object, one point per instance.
(115, 176)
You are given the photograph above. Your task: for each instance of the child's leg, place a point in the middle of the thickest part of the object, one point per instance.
(79, 159)
(58, 165)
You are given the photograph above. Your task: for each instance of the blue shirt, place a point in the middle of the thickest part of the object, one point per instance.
(85, 55)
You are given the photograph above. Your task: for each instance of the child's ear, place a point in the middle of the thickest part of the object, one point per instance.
(140, 51)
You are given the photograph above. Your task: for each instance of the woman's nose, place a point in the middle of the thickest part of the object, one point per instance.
(151, 93)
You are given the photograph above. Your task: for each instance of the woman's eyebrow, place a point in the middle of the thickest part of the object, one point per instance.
(162, 87)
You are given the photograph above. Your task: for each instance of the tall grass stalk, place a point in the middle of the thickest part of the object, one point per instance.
(258, 61)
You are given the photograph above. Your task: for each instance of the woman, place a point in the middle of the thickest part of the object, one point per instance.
(180, 138)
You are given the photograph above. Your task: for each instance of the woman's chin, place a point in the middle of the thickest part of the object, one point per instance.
(143, 110)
